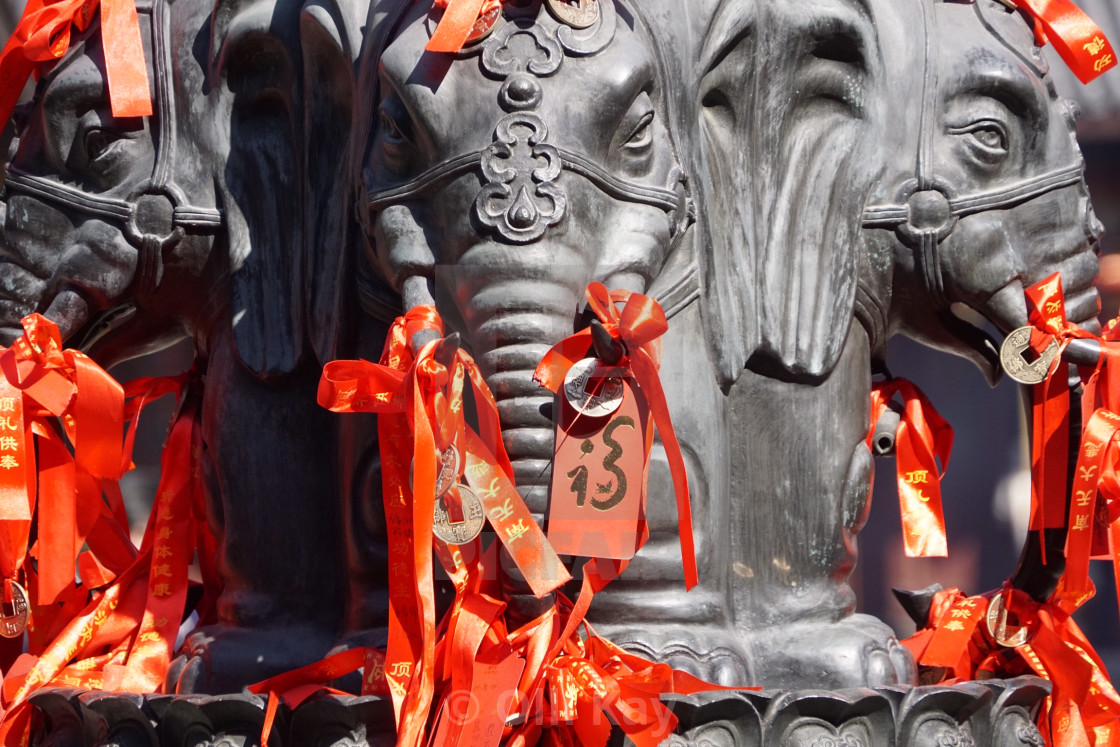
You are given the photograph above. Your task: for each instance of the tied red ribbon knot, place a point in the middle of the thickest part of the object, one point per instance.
(1075, 36)
(43, 36)
(923, 438)
(639, 327)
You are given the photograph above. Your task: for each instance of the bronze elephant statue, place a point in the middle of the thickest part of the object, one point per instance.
(821, 207)
(131, 233)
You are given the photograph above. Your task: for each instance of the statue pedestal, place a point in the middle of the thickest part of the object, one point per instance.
(995, 713)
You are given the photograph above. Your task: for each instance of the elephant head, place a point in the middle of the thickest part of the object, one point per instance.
(153, 227)
(986, 194)
(493, 187)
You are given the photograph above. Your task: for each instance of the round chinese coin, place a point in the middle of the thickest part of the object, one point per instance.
(447, 470)
(998, 628)
(1019, 368)
(590, 390)
(579, 14)
(13, 617)
(459, 532)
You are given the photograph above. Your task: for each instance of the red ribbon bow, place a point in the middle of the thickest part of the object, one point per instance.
(638, 327)
(1075, 36)
(923, 437)
(43, 36)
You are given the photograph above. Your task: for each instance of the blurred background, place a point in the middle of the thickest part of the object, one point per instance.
(986, 490)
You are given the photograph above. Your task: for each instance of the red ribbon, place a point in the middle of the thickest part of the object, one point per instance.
(455, 25)
(121, 638)
(1083, 709)
(419, 402)
(43, 36)
(1050, 409)
(923, 437)
(1075, 36)
(63, 384)
(638, 327)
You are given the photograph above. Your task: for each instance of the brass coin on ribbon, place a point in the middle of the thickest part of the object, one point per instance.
(590, 390)
(482, 27)
(1012, 358)
(13, 617)
(579, 14)
(459, 532)
(1002, 633)
(447, 470)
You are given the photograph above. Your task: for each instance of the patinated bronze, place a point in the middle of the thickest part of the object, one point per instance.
(790, 180)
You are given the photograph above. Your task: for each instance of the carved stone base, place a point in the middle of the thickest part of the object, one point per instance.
(996, 713)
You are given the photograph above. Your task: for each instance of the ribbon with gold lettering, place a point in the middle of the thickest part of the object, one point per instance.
(923, 438)
(457, 21)
(638, 327)
(1075, 36)
(43, 36)
(1083, 709)
(1050, 408)
(1096, 446)
(62, 384)
(115, 630)
(419, 402)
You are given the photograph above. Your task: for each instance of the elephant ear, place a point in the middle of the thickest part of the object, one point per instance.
(254, 72)
(787, 147)
(330, 39)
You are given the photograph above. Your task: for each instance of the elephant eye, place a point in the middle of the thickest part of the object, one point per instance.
(98, 142)
(395, 134)
(987, 139)
(390, 131)
(641, 137)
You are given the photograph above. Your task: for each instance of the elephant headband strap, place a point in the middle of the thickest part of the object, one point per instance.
(613, 185)
(43, 36)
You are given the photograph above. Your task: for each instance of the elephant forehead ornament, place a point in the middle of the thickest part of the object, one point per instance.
(520, 196)
(154, 217)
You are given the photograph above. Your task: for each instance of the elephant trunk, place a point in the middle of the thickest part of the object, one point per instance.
(511, 324)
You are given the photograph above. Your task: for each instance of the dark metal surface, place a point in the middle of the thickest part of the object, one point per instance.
(794, 181)
(996, 713)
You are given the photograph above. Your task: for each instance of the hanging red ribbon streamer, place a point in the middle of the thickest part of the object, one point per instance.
(1050, 409)
(923, 437)
(638, 327)
(43, 36)
(1075, 36)
(120, 639)
(63, 384)
(419, 402)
